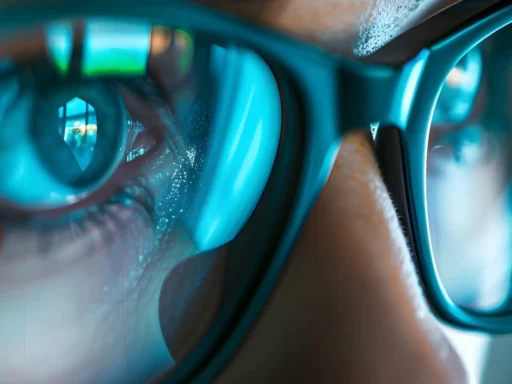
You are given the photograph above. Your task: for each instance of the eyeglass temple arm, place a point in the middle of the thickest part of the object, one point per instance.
(407, 45)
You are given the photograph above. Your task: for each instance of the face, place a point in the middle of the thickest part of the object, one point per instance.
(137, 301)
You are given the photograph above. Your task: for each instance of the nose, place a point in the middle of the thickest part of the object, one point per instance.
(367, 268)
(350, 295)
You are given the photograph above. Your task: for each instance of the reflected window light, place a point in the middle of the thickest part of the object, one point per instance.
(457, 98)
(59, 44)
(81, 129)
(114, 47)
(455, 77)
(78, 128)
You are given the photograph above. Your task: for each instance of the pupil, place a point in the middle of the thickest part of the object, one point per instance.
(79, 132)
(77, 127)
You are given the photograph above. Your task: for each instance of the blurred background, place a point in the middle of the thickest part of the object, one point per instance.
(488, 359)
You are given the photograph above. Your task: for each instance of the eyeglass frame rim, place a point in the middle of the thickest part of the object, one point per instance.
(332, 70)
(443, 57)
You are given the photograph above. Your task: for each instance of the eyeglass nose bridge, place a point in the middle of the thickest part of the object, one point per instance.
(371, 94)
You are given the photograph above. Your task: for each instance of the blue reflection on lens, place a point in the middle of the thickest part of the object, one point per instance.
(245, 136)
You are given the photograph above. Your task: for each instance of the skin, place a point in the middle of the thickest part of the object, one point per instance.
(345, 309)
(359, 320)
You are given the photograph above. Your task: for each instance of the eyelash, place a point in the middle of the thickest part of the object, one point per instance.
(167, 82)
(145, 95)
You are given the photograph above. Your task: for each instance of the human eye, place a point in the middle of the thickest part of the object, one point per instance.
(127, 149)
(73, 124)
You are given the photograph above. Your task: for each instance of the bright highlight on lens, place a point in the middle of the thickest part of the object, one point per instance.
(455, 77)
(59, 40)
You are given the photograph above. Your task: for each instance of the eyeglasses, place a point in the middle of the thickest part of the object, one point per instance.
(205, 125)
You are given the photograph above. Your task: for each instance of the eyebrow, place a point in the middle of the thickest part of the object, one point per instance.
(431, 29)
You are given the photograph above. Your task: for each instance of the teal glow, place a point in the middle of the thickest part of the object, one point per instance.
(21, 163)
(244, 140)
(53, 150)
(59, 40)
(410, 79)
(250, 160)
(116, 48)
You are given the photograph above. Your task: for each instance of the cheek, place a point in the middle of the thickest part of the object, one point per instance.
(67, 324)
(50, 326)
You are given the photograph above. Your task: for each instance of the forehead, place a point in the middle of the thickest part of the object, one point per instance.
(347, 27)
(343, 26)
